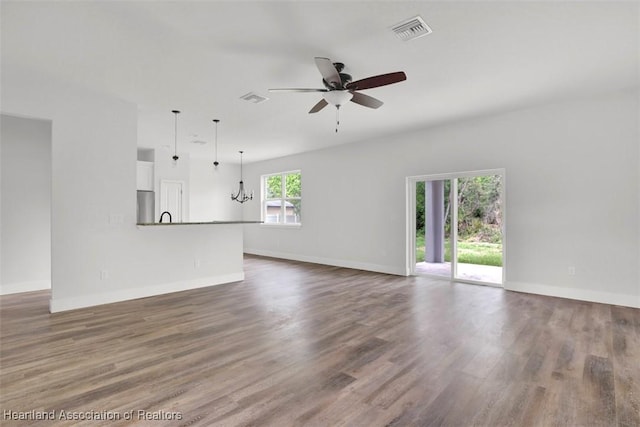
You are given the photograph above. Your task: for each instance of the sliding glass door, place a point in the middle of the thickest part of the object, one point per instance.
(478, 228)
(458, 226)
(433, 227)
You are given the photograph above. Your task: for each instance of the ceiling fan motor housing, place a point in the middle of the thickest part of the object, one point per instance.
(344, 79)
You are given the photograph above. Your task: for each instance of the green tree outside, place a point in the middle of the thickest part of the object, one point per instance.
(293, 189)
(479, 219)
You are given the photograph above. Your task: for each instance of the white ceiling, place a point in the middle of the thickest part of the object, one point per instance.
(202, 56)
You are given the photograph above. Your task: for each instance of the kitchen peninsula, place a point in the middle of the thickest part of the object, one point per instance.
(151, 224)
(162, 258)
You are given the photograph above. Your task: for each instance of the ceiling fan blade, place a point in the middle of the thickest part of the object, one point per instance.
(319, 106)
(329, 72)
(297, 90)
(366, 100)
(377, 81)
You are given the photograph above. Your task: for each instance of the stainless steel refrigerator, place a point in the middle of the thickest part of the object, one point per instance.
(146, 206)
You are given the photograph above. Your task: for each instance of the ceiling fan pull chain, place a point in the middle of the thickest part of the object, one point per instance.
(337, 117)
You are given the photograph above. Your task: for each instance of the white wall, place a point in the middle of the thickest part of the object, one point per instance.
(210, 197)
(96, 258)
(25, 221)
(572, 196)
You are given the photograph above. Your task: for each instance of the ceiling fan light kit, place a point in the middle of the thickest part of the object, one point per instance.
(339, 87)
(337, 97)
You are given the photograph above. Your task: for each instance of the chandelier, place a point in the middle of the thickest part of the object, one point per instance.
(241, 196)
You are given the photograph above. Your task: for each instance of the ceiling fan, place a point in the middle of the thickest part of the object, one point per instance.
(339, 87)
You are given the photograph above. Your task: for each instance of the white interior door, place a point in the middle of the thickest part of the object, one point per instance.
(172, 199)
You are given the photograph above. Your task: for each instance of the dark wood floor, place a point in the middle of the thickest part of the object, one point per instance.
(301, 344)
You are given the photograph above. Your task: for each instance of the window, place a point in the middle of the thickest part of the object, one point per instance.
(281, 198)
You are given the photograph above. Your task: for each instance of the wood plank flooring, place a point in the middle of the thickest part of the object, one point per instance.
(298, 344)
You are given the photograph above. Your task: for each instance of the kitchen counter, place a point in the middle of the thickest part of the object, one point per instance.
(151, 224)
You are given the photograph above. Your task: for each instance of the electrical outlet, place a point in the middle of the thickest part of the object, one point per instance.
(104, 274)
(572, 270)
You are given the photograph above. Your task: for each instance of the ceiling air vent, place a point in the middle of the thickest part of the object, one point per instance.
(254, 98)
(411, 29)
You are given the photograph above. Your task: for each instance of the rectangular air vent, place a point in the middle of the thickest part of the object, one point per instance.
(254, 98)
(411, 29)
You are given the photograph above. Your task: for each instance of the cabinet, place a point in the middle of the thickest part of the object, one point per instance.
(144, 176)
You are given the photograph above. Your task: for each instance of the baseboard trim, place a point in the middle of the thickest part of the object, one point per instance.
(575, 294)
(329, 261)
(531, 288)
(16, 288)
(65, 304)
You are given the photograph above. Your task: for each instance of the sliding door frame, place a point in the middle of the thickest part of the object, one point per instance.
(411, 220)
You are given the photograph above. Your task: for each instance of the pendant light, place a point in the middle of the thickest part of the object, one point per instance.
(215, 163)
(175, 139)
(241, 196)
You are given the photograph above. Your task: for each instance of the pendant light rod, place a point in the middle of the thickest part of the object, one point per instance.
(175, 138)
(215, 163)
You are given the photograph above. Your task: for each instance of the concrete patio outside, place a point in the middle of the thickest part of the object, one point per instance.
(480, 273)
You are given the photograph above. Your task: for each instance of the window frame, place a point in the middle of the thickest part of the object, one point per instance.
(282, 199)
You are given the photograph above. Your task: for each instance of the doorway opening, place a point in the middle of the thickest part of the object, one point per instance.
(172, 199)
(456, 226)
